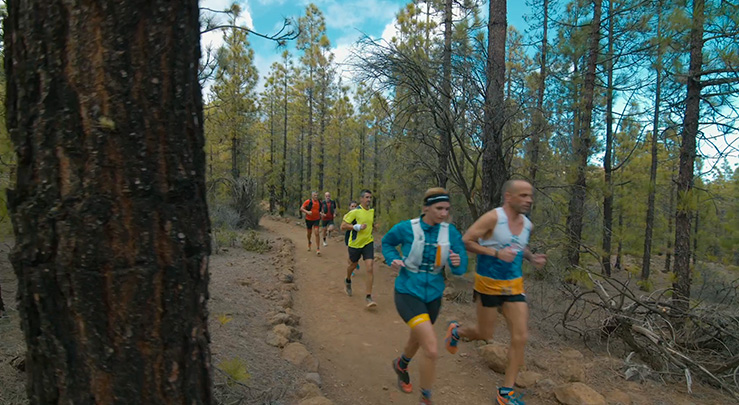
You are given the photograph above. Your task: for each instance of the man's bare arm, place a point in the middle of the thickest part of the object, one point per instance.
(484, 225)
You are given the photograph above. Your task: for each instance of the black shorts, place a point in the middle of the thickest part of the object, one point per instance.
(367, 252)
(493, 301)
(414, 311)
(326, 222)
(311, 224)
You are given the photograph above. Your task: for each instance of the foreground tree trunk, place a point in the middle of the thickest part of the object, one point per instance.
(582, 144)
(682, 270)
(109, 211)
(647, 256)
(445, 136)
(494, 172)
(608, 158)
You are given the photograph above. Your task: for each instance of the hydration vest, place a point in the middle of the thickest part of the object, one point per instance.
(415, 260)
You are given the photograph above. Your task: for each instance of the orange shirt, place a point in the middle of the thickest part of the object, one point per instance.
(314, 211)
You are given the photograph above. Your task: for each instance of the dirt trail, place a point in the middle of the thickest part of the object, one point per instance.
(355, 346)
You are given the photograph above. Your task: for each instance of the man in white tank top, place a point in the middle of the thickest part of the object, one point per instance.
(500, 238)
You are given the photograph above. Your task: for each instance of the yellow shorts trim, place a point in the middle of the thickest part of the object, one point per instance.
(419, 319)
(491, 286)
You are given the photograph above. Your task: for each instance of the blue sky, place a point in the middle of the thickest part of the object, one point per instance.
(346, 21)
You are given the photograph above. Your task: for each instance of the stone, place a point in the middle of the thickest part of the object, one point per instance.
(617, 397)
(449, 293)
(276, 340)
(286, 277)
(309, 390)
(540, 363)
(571, 354)
(527, 379)
(287, 319)
(572, 371)
(578, 394)
(314, 378)
(297, 354)
(316, 401)
(288, 332)
(545, 384)
(287, 300)
(495, 356)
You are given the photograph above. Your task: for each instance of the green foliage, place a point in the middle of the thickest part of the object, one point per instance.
(235, 369)
(253, 243)
(646, 285)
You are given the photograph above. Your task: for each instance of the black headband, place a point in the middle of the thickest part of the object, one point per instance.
(435, 198)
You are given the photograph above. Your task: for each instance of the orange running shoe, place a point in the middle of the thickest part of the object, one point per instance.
(449, 340)
(404, 379)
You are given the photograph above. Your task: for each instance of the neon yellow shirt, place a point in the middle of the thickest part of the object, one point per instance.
(364, 237)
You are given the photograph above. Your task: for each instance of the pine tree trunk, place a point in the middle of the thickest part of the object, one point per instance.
(109, 212)
(683, 272)
(647, 256)
(671, 212)
(271, 178)
(539, 120)
(608, 159)
(582, 144)
(619, 248)
(494, 172)
(445, 141)
(322, 130)
(283, 174)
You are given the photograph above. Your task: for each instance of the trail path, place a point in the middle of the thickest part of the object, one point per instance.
(355, 346)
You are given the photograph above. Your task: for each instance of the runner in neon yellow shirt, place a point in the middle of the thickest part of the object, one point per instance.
(360, 222)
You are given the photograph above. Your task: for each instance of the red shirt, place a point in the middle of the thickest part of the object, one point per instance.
(314, 211)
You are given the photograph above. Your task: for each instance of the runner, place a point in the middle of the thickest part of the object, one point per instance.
(360, 222)
(427, 244)
(328, 210)
(500, 238)
(352, 206)
(311, 208)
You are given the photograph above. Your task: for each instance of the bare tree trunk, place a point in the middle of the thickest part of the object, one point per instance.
(539, 120)
(375, 173)
(309, 143)
(682, 283)
(272, 150)
(647, 256)
(608, 159)
(283, 174)
(583, 143)
(619, 248)
(109, 212)
(235, 172)
(445, 141)
(494, 172)
(671, 213)
(694, 256)
(322, 129)
(303, 180)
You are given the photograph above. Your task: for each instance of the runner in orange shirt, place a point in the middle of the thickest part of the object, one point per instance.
(312, 210)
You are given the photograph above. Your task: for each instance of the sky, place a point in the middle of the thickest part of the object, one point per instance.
(347, 21)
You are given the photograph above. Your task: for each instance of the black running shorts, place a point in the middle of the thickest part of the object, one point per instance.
(326, 222)
(367, 252)
(414, 311)
(493, 301)
(311, 224)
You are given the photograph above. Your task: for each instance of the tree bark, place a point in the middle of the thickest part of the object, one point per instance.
(582, 143)
(539, 120)
(272, 150)
(608, 158)
(683, 272)
(445, 141)
(671, 212)
(283, 173)
(494, 172)
(647, 256)
(109, 212)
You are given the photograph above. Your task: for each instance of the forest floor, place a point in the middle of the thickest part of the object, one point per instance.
(352, 346)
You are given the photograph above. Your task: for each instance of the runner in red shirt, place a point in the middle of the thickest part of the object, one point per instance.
(312, 210)
(328, 210)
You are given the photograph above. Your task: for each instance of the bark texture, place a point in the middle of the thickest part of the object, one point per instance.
(109, 212)
(494, 172)
(583, 142)
(687, 161)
